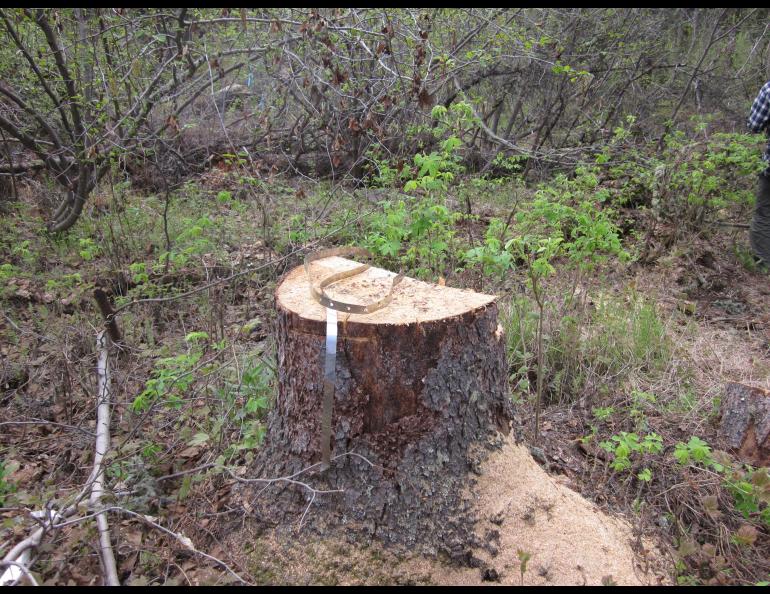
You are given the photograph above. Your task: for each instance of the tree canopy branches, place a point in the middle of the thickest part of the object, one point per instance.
(332, 90)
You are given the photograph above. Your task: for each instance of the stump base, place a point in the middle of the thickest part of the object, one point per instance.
(421, 398)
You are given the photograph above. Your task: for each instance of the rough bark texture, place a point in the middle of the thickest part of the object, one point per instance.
(424, 402)
(746, 423)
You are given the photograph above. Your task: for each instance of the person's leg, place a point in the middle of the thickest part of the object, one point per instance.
(760, 224)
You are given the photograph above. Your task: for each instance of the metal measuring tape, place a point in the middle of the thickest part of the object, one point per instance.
(332, 307)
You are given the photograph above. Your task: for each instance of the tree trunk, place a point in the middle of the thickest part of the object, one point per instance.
(421, 397)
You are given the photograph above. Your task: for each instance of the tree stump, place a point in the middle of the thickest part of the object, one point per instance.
(745, 423)
(421, 399)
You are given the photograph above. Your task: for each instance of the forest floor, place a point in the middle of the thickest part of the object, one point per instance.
(213, 348)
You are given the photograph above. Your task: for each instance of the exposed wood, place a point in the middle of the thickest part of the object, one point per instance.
(421, 394)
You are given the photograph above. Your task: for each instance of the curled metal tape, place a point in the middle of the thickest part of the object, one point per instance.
(318, 291)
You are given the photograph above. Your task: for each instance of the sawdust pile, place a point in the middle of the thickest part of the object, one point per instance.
(569, 540)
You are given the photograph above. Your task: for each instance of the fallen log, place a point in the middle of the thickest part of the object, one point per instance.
(420, 399)
(745, 424)
(24, 167)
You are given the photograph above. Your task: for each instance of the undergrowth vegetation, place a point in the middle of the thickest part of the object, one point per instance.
(191, 272)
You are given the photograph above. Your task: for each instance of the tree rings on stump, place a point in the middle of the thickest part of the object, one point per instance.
(421, 397)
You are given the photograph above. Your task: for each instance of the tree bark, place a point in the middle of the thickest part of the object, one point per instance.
(745, 423)
(421, 398)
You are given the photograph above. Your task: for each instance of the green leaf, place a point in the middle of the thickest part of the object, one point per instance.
(681, 453)
(184, 490)
(645, 475)
(195, 337)
(198, 439)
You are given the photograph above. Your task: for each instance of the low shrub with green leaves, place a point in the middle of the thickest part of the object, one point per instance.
(418, 235)
(226, 403)
(6, 487)
(492, 256)
(749, 486)
(626, 446)
(171, 377)
(690, 181)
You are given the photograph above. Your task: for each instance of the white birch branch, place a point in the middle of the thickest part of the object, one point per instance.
(18, 557)
(102, 447)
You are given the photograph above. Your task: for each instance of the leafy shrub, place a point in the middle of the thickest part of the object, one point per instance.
(749, 486)
(492, 256)
(420, 236)
(171, 377)
(6, 487)
(625, 445)
(689, 181)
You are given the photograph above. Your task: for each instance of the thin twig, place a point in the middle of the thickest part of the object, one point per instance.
(186, 542)
(291, 479)
(45, 422)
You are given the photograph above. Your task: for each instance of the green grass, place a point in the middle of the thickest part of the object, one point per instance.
(618, 337)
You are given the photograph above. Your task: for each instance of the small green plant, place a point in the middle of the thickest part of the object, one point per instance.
(383, 174)
(626, 445)
(118, 471)
(88, 249)
(192, 241)
(150, 451)
(745, 255)
(696, 450)
(420, 236)
(750, 487)
(435, 170)
(247, 392)
(645, 475)
(492, 256)
(7, 272)
(6, 487)
(257, 388)
(299, 233)
(510, 166)
(603, 413)
(524, 558)
(139, 272)
(171, 377)
(22, 251)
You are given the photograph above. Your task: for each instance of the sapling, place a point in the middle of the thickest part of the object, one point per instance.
(524, 558)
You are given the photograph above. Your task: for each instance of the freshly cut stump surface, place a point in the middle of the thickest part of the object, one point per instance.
(421, 399)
